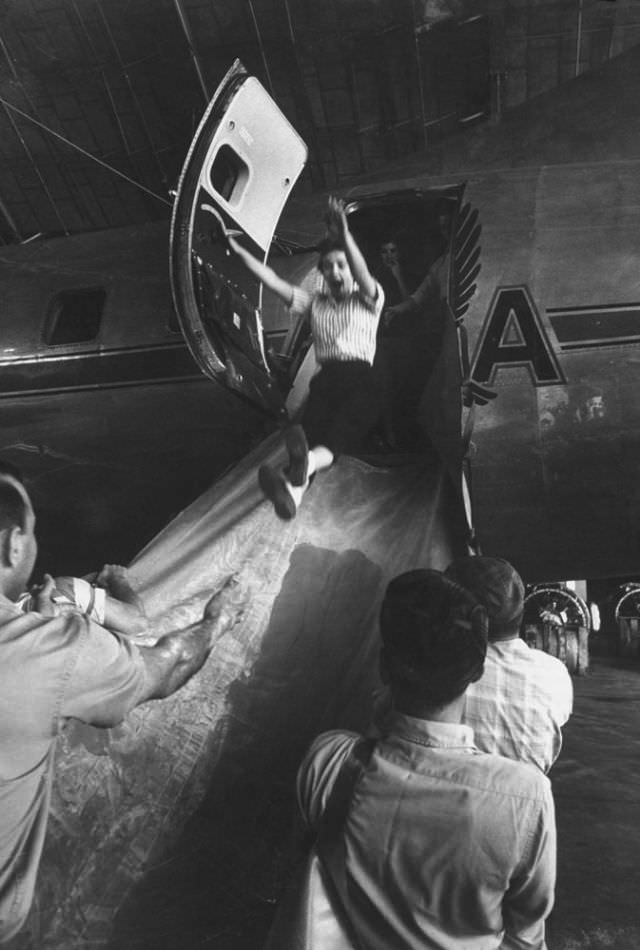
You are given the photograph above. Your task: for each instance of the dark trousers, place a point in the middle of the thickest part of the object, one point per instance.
(343, 406)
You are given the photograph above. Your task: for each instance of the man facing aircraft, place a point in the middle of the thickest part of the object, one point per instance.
(423, 841)
(525, 696)
(56, 665)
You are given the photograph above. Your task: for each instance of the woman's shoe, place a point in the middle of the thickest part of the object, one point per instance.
(298, 449)
(274, 486)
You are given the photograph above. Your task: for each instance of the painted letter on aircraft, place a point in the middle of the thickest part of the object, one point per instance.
(513, 335)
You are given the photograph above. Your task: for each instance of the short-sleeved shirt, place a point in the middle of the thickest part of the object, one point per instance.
(51, 668)
(446, 847)
(519, 705)
(342, 329)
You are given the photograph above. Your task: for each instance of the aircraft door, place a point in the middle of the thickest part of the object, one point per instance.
(239, 172)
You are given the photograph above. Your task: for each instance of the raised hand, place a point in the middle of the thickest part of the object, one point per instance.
(336, 219)
(112, 573)
(116, 580)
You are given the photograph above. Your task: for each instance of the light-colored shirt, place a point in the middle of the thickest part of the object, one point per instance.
(50, 668)
(343, 329)
(519, 705)
(447, 847)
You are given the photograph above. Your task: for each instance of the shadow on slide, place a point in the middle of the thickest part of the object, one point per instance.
(167, 831)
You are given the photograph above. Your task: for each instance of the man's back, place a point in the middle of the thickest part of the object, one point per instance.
(52, 667)
(446, 847)
(520, 703)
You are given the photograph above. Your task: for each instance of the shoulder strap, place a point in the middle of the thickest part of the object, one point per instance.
(330, 845)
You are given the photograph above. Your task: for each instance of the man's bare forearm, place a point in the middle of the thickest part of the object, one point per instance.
(177, 656)
(173, 660)
(127, 618)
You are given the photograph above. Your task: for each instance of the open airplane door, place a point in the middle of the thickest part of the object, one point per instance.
(239, 172)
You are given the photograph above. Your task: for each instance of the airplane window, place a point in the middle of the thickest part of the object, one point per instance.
(74, 316)
(229, 174)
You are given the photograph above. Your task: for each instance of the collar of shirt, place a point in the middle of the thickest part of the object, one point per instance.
(10, 605)
(433, 735)
(512, 645)
(327, 297)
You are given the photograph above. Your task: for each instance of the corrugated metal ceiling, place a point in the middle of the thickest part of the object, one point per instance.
(99, 98)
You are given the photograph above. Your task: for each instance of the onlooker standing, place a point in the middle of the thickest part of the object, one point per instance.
(55, 665)
(438, 845)
(525, 696)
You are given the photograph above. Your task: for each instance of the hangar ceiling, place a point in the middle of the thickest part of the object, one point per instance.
(99, 98)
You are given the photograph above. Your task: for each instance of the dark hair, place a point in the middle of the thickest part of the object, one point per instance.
(13, 509)
(8, 468)
(326, 246)
(497, 586)
(435, 636)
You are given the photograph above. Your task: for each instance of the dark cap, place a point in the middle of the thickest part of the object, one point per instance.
(434, 633)
(497, 586)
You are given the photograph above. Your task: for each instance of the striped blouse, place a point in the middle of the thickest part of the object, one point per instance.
(342, 330)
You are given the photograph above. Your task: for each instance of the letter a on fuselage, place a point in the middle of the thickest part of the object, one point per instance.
(513, 335)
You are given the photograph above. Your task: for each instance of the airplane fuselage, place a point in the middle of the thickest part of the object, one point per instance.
(554, 332)
(531, 398)
(116, 432)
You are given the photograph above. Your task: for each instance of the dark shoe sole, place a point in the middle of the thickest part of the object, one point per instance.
(275, 489)
(298, 449)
